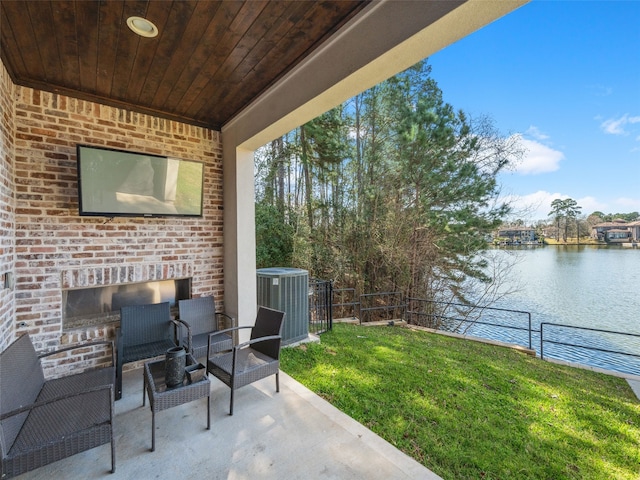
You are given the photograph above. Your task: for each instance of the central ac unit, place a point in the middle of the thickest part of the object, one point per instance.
(287, 290)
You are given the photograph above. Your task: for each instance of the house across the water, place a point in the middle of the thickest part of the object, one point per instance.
(517, 235)
(616, 231)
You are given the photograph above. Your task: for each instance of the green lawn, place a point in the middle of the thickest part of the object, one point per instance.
(468, 410)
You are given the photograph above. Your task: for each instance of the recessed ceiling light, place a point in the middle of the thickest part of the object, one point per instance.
(142, 27)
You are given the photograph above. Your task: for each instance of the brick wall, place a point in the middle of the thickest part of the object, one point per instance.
(55, 247)
(7, 225)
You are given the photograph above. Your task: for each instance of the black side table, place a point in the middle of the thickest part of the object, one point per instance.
(162, 397)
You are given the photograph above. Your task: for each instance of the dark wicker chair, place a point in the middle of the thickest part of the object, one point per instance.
(43, 421)
(253, 360)
(200, 313)
(145, 331)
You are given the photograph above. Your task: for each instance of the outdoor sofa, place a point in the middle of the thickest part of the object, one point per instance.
(42, 421)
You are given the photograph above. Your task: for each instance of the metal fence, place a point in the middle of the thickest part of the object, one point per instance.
(320, 306)
(576, 344)
(345, 303)
(588, 346)
(459, 317)
(385, 306)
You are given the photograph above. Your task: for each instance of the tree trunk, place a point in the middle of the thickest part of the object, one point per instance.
(307, 178)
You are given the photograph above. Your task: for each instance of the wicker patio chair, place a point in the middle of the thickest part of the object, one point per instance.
(253, 360)
(146, 331)
(200, 313)
(43, 421)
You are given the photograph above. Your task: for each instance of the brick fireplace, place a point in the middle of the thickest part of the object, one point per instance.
(56, 251)
(93, 298)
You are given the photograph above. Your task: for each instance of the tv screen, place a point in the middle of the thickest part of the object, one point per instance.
(119, 183)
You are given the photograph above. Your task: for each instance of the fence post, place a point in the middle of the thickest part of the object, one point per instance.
(330, 305)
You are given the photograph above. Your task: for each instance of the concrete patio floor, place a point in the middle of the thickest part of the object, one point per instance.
(293, 434)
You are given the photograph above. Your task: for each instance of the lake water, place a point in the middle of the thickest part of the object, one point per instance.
(583, 286)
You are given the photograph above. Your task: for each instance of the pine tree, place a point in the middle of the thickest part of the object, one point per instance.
(397, 190)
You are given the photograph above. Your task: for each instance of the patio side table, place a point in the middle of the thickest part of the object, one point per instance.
(162, 397)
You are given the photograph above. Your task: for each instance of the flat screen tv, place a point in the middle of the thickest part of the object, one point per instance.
(128, 184)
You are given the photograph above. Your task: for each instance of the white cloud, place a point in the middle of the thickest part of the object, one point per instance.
(536, 206)
(535, 132)
(533, 206)
(538, 158)
(613, 127)
(591, 204)
(600, 90)
(616, 126)
(616, 205)
(627, 205)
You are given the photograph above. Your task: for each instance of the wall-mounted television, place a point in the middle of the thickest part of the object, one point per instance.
(128, 184)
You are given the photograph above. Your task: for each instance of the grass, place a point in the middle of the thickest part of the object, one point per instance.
(468, 410)
(573, 241)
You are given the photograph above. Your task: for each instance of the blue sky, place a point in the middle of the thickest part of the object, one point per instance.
(565, 77)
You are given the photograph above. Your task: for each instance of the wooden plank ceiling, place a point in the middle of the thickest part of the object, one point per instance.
(210, 59)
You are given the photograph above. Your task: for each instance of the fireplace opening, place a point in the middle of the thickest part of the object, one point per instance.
(97, 306)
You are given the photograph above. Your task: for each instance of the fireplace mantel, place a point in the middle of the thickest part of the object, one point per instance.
(93, 296)
(120, 274)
